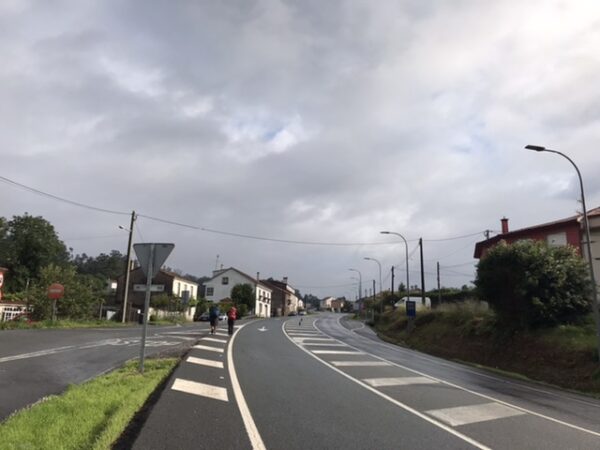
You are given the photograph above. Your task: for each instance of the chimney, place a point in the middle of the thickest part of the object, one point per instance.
(257, 276)
(285, 280)
(504, 222)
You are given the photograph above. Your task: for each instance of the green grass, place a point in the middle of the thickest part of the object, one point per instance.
(88, 416)
(62, 323)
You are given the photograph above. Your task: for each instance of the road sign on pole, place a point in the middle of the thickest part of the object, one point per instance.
(159, 254)
(151, 257)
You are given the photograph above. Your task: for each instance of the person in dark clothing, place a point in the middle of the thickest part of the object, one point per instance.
(213, 315)
(231, 318)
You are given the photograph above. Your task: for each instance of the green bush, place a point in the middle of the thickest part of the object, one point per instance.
(529, 284)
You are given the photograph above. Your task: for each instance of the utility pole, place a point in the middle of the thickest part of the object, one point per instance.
(422, 273)
(374, 290)
(128, 268)
(393, 282)
(487, 234)
(438, 282)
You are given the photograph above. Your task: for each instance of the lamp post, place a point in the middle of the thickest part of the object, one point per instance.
(359, 282)
(588, 243)
(406, 247)
(380, 285)
(128, 268)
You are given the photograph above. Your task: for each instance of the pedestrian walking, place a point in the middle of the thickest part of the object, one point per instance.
(231, 318)
(213, 315)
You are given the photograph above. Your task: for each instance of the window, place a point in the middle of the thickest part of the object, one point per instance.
(557, 239)
(225, 280)
(210, 291)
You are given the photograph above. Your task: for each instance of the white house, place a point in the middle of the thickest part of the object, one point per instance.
(220, 285)
(326, 303)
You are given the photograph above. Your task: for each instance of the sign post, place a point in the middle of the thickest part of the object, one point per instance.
(151, 257)
(411, 312)
(55, 292)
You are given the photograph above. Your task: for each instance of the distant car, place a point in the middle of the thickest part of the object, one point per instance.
(222, 317)
(292, 313)
(204, 317)
(302, 313)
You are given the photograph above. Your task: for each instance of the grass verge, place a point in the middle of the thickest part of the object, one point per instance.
(92, 415)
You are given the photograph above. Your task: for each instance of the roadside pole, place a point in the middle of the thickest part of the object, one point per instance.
(146, 307)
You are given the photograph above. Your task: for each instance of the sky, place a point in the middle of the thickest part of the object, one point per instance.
(312, 124)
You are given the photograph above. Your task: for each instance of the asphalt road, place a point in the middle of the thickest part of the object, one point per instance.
(38, 363)
(334, 384)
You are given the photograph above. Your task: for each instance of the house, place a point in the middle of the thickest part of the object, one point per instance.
(283, 297)
(174, 284)
(326, 304)
(568, 231)
(223, 281)
(337, 304)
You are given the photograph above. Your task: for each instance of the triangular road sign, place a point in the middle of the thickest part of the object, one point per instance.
(160, 254)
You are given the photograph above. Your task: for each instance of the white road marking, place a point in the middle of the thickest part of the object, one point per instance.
(201, 389)
(399, 404)
(336, 352)
(50, 351)
(210, 349)
(253, 434)
(398, 381)
(359, 363)
(302, 339)
(463, 415)
(470, 391)
(322, 344)
(205, 362)
(220, 341)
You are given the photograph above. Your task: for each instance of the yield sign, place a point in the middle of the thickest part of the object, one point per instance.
(159, 253)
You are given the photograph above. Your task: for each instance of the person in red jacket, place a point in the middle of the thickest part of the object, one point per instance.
(231, 318)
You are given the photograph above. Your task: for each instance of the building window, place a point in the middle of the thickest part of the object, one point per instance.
(210, 291)
(225, 280)
(557, 239)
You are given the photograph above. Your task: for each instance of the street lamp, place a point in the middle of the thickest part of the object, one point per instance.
(128, 268)
(406, 247)
(586, 224)
(359, 282)
(380, 285)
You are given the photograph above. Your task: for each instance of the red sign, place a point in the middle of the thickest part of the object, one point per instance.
(56, 291)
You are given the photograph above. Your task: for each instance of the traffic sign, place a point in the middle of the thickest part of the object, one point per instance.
(411, 308)
(160, 254)
(153, 288)
(56, 291)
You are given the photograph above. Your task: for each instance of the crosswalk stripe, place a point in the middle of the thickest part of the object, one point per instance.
(302, 339)
(323, 344)
(398, 381)
(220, 333)
(336, 352)
(210, 349)
(204, 362)
(201, 389)
(359, 363)
(221, 341)
(463, 415)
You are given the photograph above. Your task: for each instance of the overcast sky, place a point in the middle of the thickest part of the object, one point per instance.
(312, 121)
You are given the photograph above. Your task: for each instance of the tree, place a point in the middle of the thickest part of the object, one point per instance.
(529, 284)
(243, 294)
(82, 299)
(104, 266)
(27, 244)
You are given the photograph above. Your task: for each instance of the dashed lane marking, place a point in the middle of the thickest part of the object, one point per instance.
(359, 363)
(200, 389)
(398, 381)
(220, 341)
(463, 415)
(205, 362)
(210, 349)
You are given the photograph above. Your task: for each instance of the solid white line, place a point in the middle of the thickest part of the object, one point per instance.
(336, 352)
(35, 354)
(200, 389)
(359, 363)
(205, 362)
(398, 381)
(221, 341)
(210, 349)
(488, 397)
(400, 404)
(253, 434)
(464, 415)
